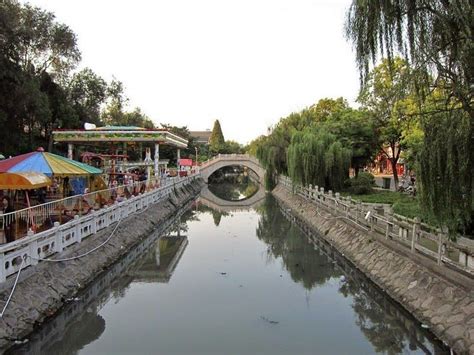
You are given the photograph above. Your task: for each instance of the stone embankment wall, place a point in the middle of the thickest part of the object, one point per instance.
(438, 297)
(44, 289)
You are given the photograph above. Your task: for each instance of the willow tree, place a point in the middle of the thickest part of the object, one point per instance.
(316, 157)
(435, 36)
(271, 153)
(446, 174)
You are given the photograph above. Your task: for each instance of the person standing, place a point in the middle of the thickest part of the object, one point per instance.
(8, 222)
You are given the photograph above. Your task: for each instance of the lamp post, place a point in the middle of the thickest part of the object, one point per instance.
(196, 149)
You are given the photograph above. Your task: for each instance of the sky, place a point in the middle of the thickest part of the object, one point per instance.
(247, 63)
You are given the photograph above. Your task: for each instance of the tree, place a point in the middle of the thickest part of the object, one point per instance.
(36, 53)
(87, 91)
(434, 35)
(444, 166)
(387, 94)
(317, 157)
(231, 147)
(36, 41)
(216, 141)
(356, 130)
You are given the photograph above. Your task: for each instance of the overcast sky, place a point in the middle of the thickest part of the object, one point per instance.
(188, 62)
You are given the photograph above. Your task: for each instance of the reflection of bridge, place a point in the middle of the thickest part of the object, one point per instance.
(222, 160)
(210, 200)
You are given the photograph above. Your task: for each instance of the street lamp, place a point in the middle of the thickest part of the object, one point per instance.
(196, 148)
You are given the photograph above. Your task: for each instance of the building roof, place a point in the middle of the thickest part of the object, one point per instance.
(201, 136)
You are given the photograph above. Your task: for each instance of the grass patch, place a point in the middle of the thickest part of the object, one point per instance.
(376, 196)
(409, 209)
(402, 204)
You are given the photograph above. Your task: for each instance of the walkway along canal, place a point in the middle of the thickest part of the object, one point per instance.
(245, 282)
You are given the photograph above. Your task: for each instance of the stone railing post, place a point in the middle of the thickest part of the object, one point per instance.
(440, 247)
(3, 274)
(94, 222)
(58, 238)
(33, 252)
(414, 234)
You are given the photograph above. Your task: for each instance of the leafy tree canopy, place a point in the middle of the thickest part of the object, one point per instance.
(434, 35)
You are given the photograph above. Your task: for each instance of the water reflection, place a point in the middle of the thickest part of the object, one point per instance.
(238, 272)
(312, 262)
(233, 186)
(79, 322)
(306, 265)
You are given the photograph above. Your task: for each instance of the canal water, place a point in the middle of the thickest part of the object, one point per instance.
(232, 282)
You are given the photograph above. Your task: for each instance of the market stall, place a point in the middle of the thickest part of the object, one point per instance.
(12, 183)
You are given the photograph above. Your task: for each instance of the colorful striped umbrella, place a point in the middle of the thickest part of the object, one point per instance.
(46, 163)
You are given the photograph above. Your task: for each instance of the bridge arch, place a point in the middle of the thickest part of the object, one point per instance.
(223, 160)
(219, 204)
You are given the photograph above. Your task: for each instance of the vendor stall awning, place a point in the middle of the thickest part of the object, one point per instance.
(23, 181)
(185, 162)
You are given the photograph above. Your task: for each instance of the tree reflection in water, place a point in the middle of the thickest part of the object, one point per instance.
(306, 265)
(386, 325)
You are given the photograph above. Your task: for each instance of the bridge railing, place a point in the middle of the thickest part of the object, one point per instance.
(410, 233)
(228, 157)
(29, 250)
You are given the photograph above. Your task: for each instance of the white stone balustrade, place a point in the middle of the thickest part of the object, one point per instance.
(418, 237)
(58, 238)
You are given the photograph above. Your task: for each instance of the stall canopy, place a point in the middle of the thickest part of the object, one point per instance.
(46, 163)
(185, 162)
(23, 181)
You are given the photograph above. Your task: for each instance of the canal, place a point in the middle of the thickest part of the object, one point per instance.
(232, 282)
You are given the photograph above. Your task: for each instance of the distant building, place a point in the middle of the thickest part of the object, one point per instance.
(201, 137)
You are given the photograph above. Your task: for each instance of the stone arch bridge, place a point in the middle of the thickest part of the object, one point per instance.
(222, 160)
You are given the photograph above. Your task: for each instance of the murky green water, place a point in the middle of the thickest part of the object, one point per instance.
(233, 283)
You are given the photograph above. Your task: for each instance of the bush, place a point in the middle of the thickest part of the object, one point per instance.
(362, 184)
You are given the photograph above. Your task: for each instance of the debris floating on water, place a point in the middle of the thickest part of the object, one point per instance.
(269, 320)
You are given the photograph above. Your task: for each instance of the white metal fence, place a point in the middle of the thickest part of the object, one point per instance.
(418, 237)
(57, 237)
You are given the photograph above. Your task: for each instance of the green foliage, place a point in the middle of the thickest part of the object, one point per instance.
(216, 141)
(354, 131)
(388, 95)
(87, 92)
(402, 204)
(446, 172)
(316, 157)
(231, 147)
(436, 36)
(38, 92)
(361, 184)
